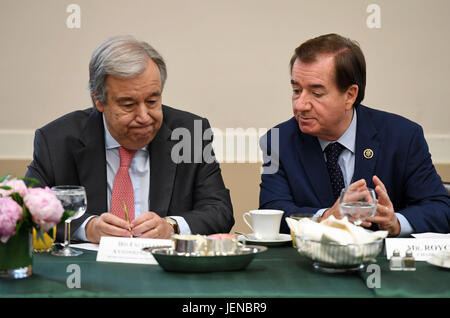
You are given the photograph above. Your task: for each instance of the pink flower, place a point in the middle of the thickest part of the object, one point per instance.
(45, 208)
(16, 185)
(10, 213)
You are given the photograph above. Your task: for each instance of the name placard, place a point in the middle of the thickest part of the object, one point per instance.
(422, 249)
(128, 250)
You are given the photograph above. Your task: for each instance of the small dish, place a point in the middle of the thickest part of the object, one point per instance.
(172, 261)
(283, 239)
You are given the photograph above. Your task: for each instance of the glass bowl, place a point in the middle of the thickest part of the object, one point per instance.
(333, 257)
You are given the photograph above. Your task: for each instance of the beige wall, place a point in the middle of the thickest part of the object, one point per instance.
(227, 61)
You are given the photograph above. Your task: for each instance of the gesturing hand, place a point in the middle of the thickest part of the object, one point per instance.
(334, 210)
(385, 216)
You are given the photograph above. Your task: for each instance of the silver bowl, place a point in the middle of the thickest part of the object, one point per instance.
(172, 261)
(333, 257)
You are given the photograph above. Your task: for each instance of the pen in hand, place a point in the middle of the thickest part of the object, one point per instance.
(126, 216)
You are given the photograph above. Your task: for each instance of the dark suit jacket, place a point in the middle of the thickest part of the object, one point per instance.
(71, 150)
(401, 160)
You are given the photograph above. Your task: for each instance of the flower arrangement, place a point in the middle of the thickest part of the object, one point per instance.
(23, 207)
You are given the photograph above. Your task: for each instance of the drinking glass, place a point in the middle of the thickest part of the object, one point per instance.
(72, 198)
(358, 204)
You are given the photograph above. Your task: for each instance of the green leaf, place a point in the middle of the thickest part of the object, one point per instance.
(19, 225)
(26, 214)
(5, 187)
(17, 197)
(50, 233)
(39, 235)
(67, 214)
(33, 181)
(4, 178)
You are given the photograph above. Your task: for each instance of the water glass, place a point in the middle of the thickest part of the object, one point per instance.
(358, 204)
(72, 198)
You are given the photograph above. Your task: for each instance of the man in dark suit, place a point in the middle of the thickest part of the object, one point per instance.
(334, 142)
(89, 147)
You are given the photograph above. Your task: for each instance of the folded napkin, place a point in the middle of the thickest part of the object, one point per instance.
(352, 238)
(333, 230)
(431, 235)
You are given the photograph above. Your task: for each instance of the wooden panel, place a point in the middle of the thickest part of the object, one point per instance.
(444, 171)
(15, 167)
(243, 181)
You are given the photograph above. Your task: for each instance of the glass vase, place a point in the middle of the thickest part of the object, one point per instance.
(16, 256)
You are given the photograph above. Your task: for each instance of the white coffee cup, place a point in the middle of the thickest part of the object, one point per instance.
(265, 224)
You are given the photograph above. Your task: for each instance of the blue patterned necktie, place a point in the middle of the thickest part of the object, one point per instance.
(332, 152)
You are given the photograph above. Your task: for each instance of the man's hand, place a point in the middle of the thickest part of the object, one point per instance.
(385, 216)
(151, 225)
(334, 210)
(106, 224)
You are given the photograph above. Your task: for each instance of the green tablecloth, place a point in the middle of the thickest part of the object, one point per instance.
(279, 272)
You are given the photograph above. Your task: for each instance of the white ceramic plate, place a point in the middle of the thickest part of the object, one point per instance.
(283, 239)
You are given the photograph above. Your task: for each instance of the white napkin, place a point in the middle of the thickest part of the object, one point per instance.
(316, 231)
(431, 235)
(331, 229)
(339, 231)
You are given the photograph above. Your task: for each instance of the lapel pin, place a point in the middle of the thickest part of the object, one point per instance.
(368, 153)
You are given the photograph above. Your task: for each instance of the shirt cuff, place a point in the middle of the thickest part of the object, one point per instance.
(80, 233)
(405, 227)
(182, 224)
(318, 214)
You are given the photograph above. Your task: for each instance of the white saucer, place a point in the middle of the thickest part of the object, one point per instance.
(282, 239)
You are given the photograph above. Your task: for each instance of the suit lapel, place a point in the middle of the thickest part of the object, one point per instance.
(90, 161)
(366, 148)
(311, 157)
(162, 171)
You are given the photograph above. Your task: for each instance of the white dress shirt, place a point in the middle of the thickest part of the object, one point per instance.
(140, 177)
(346, 162)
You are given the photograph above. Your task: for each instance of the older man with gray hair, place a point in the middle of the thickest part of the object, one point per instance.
(120, 151)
